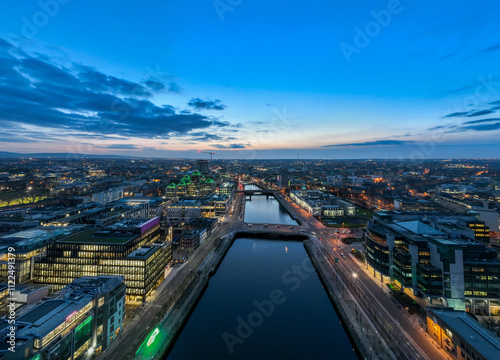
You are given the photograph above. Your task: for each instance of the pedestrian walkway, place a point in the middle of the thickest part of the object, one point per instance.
(414, 319)
(166, 281)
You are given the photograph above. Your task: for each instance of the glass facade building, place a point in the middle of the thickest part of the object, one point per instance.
(134, 252)
(451, 271)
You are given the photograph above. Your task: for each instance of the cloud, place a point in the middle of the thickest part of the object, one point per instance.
(173, 87)
(230, 146)
(121, 147)
(436, 127)
(490, 49)
(16, 139)
(205, 137)
(481, 112)
(456, 114)
(490, 124)
(154, 84)
(81, 100)
(157, 85)
(451, 54)
(374, 143)
(472, 113)
(98, 81)
(483, 127)
(460, 89)
(481, 121)
(200, 104)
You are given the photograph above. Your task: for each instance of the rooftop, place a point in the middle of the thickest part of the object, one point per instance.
(143, 252)
(40, 311)
(419, 228)
(94, 236)
(477, 336)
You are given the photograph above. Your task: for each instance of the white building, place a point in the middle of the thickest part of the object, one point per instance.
(108, 196)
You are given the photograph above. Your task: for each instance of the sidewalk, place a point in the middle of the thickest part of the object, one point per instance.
(414, 319)
(166, 281)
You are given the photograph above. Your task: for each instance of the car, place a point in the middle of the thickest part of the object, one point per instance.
(250, 225)
(265, 225)
(312, 232)
(277, 226)
(302, 230)
(290, 227)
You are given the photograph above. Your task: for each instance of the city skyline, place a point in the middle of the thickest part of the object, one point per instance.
(251, 80)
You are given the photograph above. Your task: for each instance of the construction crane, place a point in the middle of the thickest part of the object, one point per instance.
(211, 154)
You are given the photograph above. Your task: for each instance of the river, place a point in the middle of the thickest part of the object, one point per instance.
(264, 302)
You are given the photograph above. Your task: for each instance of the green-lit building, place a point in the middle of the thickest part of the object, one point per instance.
(82, 322)
(194, 185)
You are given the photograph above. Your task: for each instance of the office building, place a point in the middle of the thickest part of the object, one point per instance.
(107, 196)
(131, 248)
(83, 321)
(213, 206)
(460, 336)
(203, 166)
(283, 178)
(29, 244)
(321, 204)
(449, 270)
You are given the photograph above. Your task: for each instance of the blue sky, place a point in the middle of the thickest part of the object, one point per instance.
(251, 79)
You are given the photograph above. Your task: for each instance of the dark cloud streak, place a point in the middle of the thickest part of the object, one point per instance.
(374, 143)
(200, 104)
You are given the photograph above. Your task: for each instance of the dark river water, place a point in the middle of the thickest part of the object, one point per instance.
(265, 210)
(265, 302)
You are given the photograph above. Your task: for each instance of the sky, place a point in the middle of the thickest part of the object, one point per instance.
(251, 79)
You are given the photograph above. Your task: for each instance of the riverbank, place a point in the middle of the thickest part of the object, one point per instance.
(362, 332)
(175, 320)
